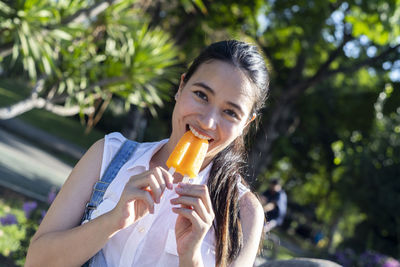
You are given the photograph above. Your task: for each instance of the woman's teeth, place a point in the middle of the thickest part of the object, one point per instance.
(197, 134)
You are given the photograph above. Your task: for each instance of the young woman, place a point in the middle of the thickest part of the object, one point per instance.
(148, 217)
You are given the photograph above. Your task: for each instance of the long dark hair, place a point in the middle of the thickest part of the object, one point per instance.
(229, 166)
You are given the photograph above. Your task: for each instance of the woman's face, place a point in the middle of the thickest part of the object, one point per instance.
(216, 103)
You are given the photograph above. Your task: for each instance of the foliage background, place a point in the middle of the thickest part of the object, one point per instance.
(331, 127)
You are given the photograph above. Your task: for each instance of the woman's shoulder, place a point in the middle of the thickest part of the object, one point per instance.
(250, 205)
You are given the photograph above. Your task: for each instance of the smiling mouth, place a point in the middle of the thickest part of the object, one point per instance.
(197, 134)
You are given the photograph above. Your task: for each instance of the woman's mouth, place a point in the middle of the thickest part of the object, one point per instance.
(197, 134)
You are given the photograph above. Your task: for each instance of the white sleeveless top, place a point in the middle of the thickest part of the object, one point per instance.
(151, 240)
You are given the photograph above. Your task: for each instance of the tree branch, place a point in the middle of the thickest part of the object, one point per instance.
(31, 103)
(89, 13)
(34, 101)
(65, 111)
(366, 62)
(321, 72)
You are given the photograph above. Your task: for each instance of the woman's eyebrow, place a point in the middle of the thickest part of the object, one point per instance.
(237, 107)
(205, 86)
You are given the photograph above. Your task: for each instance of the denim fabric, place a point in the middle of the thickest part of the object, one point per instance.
(98, 260)
(100, 187)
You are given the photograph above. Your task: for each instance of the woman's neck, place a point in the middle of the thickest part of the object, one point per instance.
(160, 157)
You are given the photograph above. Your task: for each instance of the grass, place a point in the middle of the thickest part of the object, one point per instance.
(63, 127)
(12, 91)
(70, 129)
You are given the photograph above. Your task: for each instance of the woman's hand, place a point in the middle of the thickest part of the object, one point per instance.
(195, 218)
(140, 194)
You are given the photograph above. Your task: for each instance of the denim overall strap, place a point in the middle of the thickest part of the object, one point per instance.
(124, 153)
(100, 187)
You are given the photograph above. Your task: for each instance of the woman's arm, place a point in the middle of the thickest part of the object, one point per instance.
(60, 241)
(252, 219)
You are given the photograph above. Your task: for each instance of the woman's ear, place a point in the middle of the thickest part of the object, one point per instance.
(181, 85)
(182, 82)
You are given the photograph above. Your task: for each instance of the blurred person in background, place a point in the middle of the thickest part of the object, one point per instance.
(275, 204)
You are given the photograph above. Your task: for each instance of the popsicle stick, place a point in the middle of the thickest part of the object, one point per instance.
(186, 179)
(171, 170)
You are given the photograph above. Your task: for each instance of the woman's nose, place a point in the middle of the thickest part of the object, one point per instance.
(209, 120)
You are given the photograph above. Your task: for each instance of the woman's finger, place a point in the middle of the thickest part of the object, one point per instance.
(192, 216)
(145, 196)
(194, 203)
(146, 182)
(160, 178)
(155, 187)
(168, 178)
(196, 190)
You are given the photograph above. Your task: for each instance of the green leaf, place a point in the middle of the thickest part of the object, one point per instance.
(24, 43)
(31, 67)
(15, 52)
(46, 65)
(5, 9)
(61, 87)
(201, 5)
(34, 48)
(57, 33)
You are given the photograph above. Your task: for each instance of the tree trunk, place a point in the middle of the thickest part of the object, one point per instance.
(135, 125)
(277, 124)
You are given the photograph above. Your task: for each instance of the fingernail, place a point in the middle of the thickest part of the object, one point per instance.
(178, 189)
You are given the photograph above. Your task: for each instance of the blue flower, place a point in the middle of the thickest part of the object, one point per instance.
(345, 257)
(370, 259)
(28, 207)
(42, 213)
(9, 219)
(51, 196)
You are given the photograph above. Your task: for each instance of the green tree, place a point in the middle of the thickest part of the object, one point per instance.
(79, 55)
(313, 42)
(306, 43)
(371, 173)
(329, 61)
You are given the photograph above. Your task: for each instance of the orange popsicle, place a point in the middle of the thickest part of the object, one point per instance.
(188, 155)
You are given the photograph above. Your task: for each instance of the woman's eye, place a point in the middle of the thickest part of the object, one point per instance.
(201, 95)
(231, 113)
